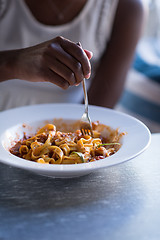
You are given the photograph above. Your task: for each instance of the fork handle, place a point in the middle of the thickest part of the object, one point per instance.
(85, 95)
(84, 88)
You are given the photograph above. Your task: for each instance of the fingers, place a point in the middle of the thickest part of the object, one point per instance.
(66, 64)
(78, 53)
(58, 61)
(50, 76)
(72, 62)
(61, 70)
(89, 54)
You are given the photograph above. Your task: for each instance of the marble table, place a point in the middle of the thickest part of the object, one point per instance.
(119, 202)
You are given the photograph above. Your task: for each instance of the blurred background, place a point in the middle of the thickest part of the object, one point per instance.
(141, 97)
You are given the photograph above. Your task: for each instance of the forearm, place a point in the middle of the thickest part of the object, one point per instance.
(8, 65)
(108, 84)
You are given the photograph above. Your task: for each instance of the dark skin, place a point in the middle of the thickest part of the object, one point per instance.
(108, 83)
(65, 63)
(58, 61)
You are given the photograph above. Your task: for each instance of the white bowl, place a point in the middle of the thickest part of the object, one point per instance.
(134, 142)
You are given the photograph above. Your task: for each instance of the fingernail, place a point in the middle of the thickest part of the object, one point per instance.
(91, 54)
(88, 76)
(79, 44)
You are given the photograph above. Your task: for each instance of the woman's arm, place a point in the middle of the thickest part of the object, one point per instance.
(109, 80)
(7, 63)
(58, 61)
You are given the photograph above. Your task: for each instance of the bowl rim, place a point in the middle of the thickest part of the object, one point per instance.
(6, 156)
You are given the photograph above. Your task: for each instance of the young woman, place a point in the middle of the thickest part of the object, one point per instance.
(41, 62)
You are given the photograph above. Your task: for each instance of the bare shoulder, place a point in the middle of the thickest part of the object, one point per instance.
(133, 8)
(134, 4)
(131, 14)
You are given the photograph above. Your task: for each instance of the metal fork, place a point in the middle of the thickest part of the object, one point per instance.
(86, 125)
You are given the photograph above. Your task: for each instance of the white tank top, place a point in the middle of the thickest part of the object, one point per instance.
(92, 27)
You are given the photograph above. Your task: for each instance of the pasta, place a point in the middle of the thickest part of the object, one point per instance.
(51, 146)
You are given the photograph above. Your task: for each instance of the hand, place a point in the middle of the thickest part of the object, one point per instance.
(58, 61)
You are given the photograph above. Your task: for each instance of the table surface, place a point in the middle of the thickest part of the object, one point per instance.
(119, 202)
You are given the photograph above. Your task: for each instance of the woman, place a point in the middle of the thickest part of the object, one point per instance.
(32, 49)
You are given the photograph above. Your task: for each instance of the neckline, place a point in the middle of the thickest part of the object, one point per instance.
(65, 26)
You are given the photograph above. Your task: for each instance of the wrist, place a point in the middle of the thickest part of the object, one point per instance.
(8, 66)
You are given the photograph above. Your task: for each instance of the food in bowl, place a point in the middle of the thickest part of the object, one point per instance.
(63, 143)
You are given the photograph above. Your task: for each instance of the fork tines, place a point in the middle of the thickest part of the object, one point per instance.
(86, 129)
